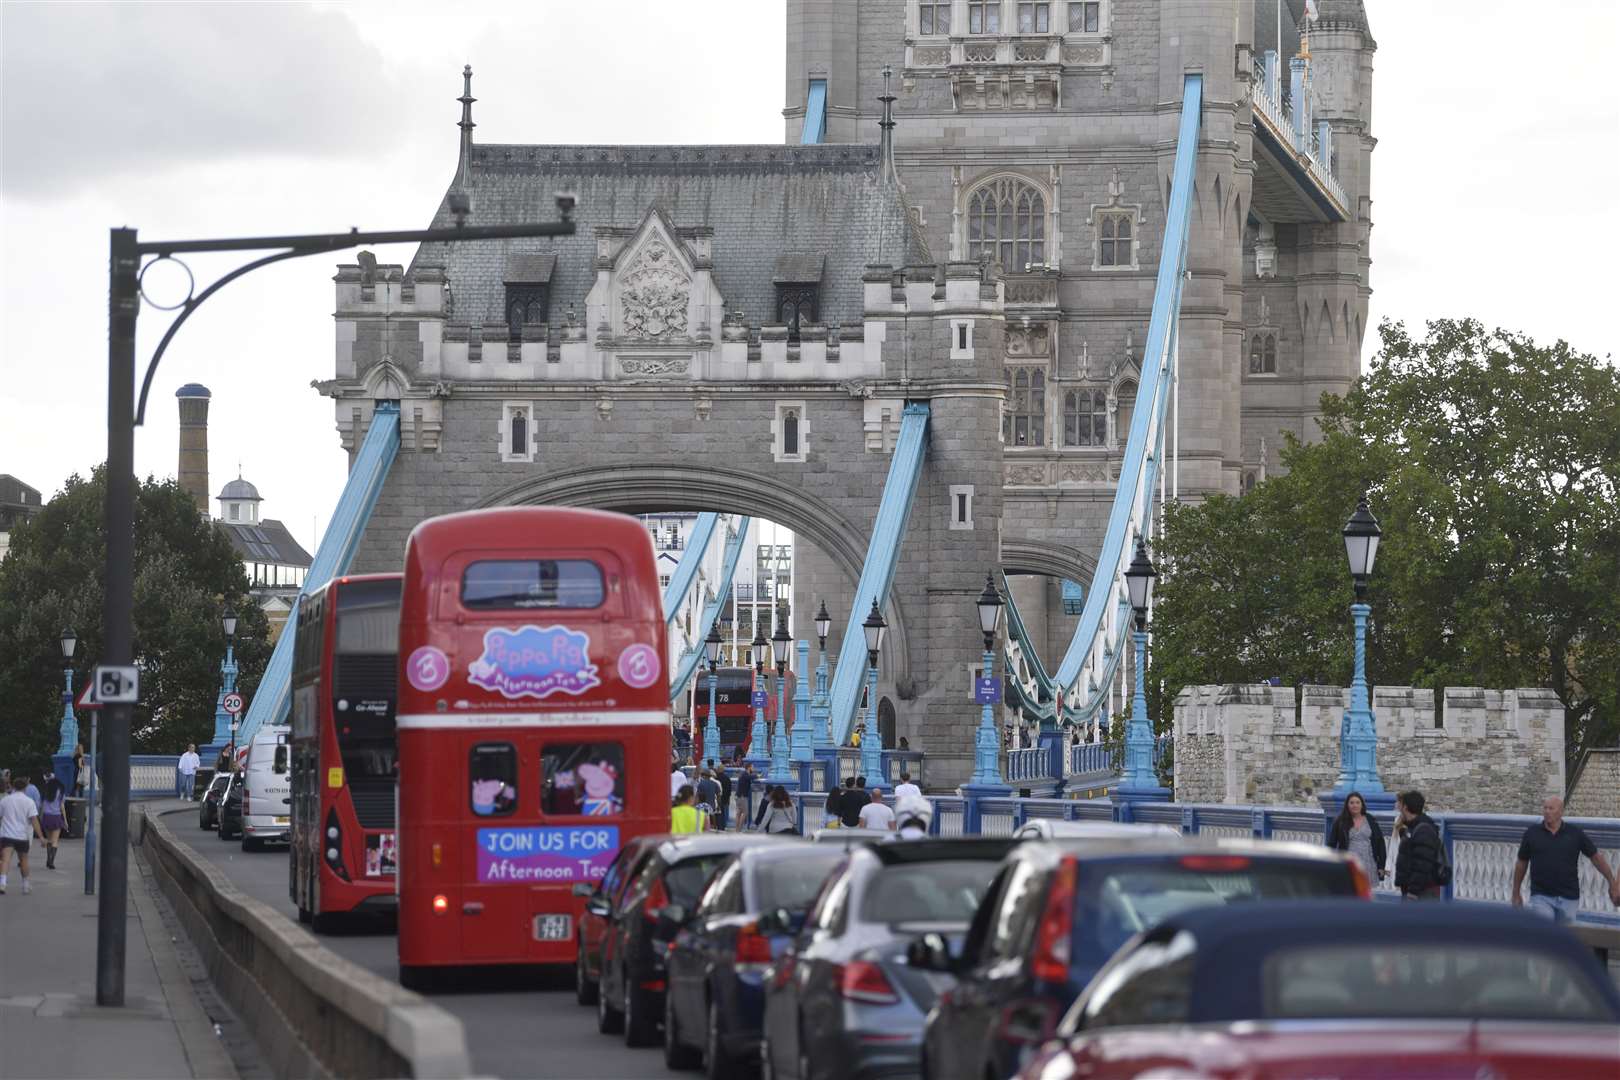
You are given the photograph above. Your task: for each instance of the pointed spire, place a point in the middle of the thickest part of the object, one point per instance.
(886, 128)
(464, 166)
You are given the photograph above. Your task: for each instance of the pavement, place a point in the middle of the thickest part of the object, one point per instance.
(50, 1024)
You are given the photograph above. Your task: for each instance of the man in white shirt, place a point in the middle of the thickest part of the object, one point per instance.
(905, 791)
(19, 823)
(876, 816)
(677, 780)
(189, 761)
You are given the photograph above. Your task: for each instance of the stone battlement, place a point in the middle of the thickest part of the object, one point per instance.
(1480, 750)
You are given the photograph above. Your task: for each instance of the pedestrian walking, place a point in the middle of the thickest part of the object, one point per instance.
(19, 824)
(226, 762)
(1551, 851)
(1356, 831)
(186, 772)
(684, 817)
(779, 814)
(81, 771)
(724, 779)
(677, 779)
(745, 794)
(853, 802)
(905, 790)
(52, 819)
(1421, 871)
(33, 793)
(875, 816)
(708, 793)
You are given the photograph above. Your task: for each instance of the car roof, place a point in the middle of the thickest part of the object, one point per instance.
(673, 848)
(1150, 844)
(1362, 923)
(895, 851)
(766, 854)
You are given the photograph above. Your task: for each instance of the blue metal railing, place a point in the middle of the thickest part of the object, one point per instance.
(882, 553)
(680, 582)
(274, 695)
(711, 610)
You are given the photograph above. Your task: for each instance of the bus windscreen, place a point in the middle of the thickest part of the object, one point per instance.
(574, 584)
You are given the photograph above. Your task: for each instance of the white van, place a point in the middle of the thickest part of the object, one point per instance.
(267, 790)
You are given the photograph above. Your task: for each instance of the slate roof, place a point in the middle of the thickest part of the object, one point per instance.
(267, 542)
(530, 269)
(798, 267)
(757, 200)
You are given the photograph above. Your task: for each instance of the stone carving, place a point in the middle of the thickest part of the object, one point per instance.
(1030, 54)
(1026, 473)
(1083, 54)
(656, 293)
(1032, 292)
(979, 54)
(604, 408)
(1077, 473)
(655, 366)
(1034, 339)
(930, 57)
(856, 388)
(702, 407)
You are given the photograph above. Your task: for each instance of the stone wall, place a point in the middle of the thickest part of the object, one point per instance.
(1486, 750)
(1597, 792)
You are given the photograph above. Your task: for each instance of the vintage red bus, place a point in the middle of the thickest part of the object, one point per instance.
(344, 686)
(534, 732)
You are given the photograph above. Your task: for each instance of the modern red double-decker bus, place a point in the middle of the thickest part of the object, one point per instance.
(534, 733)
(344, 687)
(734, 709)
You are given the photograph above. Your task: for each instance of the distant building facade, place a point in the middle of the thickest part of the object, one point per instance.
(18, 503)
(275, 562)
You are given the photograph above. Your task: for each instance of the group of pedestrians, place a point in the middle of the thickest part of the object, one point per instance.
(1549, 852)
(28, 813)
(703, 803)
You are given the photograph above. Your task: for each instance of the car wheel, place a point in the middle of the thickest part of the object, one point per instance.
(717, 1063)
(640, 1025)
(586, 990)
(676, 1054)
(609, 1021)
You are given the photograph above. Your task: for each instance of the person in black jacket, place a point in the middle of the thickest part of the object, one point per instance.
(1358, 833)
(1418, 860)
(724, 779)
(854, 800)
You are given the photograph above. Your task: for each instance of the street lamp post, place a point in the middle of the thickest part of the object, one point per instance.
(874, 627)
(1358, 740)
(780, 643)
(820, 708)
(1139, 783)
(225, 722)
(986, 744)
(70, 723)
(711, 723)
(759, 735)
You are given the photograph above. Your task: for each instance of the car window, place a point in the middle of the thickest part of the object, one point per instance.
(1016, 912)
(792, 884)
(724, 894)
(1426, 981)
(1150, 985)
(974, 945)
(616, 871)
(685, 880)
(831, 908)
(943, 891)
(639, 862)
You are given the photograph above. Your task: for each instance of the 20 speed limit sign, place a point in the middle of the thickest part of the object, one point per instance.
(233, 703)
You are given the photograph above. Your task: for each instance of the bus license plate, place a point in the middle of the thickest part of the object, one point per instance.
(553, 927)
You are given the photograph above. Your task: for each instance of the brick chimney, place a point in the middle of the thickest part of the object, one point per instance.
(193, 471)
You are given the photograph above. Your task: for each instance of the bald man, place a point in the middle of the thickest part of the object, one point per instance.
(1551, 850)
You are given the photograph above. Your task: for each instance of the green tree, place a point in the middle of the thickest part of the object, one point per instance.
(1491, 463)
(186, 572)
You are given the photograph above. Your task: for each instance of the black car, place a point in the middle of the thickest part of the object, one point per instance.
(843, 1003)
(230, 808)
(1057, 911)
(601, 900)
(631, 979)
(716, 965)
(208, 807)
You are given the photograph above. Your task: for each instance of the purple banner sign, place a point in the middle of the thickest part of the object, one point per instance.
(562, 854)
(534, 661)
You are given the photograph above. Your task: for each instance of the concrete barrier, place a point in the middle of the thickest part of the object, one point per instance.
(312, 1012)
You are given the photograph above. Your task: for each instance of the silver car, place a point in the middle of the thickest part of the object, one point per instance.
(842, 1003)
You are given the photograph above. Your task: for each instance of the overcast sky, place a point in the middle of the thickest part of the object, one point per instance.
(1492, 189)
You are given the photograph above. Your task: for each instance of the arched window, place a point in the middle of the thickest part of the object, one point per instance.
(790, 432)
(1114, 240)
(1126, 397)
(1269, 364)
(1007, 221)
(1085, 418)
(1256, 352)
(520, 433)
(1263, 354)
(1025, 421)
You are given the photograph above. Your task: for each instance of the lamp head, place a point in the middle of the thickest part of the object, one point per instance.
(711, 646)
(1139, 577)
(874, 627)
(823, 624)
(70, 641)
(229, 619)
(781, 643)
(760, 648)
(1361, 535)
(989, 605)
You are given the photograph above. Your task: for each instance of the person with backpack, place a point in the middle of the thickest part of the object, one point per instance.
(724, 779)
(779, 816)
(1421, 869)
(708, 793)
(745, 792)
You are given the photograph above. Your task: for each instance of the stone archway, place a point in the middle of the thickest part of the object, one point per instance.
(637, 490)
(1022, 556)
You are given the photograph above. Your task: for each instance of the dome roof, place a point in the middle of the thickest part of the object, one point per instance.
(240, 489)
(191, 390)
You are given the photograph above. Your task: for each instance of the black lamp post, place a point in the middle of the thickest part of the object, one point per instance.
(820, 738)
(1139, 579)
(711, 723)
(1358, 740)
(781, 643)
(875, 627)
(759, 736)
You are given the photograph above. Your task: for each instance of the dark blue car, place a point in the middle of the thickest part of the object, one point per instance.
(714, 1008)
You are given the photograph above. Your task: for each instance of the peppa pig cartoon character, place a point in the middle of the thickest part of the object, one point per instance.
(484, 795)
(600, 779)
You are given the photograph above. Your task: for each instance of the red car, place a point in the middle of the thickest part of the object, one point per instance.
(1324, 989)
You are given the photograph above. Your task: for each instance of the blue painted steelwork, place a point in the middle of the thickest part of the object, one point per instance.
(70, 723)
(1358, 743)
(815, 113)
(882, 553)
(986, 740)
(227, 685)
(711, 610)
(872, 741)
(274, 696)
(780, 771)
(1139, 774)
(1097, 640)
(803, 721)
(680, 582)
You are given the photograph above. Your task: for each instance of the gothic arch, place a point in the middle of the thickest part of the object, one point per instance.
(1011, 192)
(1046, 559)
(646, 489)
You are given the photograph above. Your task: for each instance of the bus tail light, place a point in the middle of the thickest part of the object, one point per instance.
(441, 904)
(334, 846)
(1050, 960)
(753, 947)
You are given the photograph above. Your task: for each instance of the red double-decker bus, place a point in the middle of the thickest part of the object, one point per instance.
(734, 709)
(344, 688)
(534, 733)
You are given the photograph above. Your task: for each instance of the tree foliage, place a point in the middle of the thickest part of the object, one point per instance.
(1491, 463)
(186, 572)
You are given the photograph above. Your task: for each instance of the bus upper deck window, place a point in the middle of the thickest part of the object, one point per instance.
(532, 583)
(583, 778)
(493, 771)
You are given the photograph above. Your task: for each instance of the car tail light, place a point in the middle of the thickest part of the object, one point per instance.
(1363, 884)
(1216, 864)
(657, 897)
(245, 810)
(1049, 962)
(753, 947)
(441, 904)
(864, 981)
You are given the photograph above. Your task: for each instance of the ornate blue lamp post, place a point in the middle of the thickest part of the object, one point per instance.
(1139, 783)
(711, 723)
(758, 744)
(70, 723)
(986, 744)
(820, 739)
(1358, 741)
(225, 722)
(874, 627)
(802, 752)
(780, 644)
